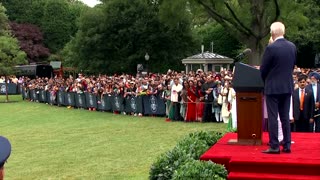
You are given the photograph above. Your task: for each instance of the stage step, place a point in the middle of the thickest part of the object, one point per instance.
(274, 166)
(266, 176)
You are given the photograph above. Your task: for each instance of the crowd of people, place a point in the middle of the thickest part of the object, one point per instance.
(195, 96)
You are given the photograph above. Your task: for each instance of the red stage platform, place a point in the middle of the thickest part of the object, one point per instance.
(247, 162)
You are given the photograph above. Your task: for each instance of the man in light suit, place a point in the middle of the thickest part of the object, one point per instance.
(276, 71)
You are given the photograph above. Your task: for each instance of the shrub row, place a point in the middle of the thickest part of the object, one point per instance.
(182, 162)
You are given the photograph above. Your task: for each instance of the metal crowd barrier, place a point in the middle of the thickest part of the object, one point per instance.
(145, 104)
(12, 88)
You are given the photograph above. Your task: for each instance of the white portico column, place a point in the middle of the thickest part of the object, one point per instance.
(205, 68)
(187, 68)
(228, 66)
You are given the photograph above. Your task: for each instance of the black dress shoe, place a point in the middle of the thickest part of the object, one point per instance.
(271, 151)
(286, 150)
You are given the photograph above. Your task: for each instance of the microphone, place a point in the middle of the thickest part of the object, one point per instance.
(244, 53)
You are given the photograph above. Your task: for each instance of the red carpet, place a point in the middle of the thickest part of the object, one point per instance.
(247, 162)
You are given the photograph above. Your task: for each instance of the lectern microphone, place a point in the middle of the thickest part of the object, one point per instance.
(244, 53)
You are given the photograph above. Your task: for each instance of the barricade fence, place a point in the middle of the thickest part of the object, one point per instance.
(12, 88)
(142, 104)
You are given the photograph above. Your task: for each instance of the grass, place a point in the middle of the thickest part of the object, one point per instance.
(50, 142)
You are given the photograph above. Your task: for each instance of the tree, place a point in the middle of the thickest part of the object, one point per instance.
(3, 21)
(31, 41)
(247, 20)
(10, 53)
(307, 38)
(213, 37)
(56, 18)
(115, 36)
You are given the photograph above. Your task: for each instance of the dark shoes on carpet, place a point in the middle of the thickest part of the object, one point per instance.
(286, 150)
(271, 151)
(276, 151)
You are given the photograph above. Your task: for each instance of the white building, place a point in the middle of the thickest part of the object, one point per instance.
(207, 62)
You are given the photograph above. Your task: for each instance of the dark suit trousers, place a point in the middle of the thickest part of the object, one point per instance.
(177, 116)
(278, 104)
(207, 114)
(317, 123)
(303, 125)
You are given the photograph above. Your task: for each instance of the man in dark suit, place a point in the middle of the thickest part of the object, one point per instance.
(5, 151)
(314, 87)
(276, 71)
(303, 106)
(207, 89)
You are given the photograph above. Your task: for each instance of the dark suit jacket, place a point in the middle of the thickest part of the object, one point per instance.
(277, 67)
(308, 105)
(205, 87)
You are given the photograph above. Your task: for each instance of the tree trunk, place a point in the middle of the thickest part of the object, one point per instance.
(257, 50)
(6, 82)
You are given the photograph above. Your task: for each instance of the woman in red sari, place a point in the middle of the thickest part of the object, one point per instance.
(191, 106)
(200, 101)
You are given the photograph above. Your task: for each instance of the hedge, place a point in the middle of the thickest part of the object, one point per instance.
(182, 161)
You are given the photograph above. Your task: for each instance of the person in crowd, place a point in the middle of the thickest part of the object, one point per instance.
(5, 151)
(184, 99)
(314, 87)
(216, 106)
(295, 80)
(207, 89)
(176, 98)
(167, 95)
(277, 67)
(200, 100)
(233, 103)
(191, 106)
(225, 109)
(303, 106)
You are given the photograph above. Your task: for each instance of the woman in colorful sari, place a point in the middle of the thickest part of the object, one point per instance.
(191, 106)
(200, 101)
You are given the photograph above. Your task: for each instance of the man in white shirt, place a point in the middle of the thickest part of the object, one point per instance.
(175, 93)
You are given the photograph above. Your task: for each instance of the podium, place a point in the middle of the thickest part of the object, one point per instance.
(248, 84)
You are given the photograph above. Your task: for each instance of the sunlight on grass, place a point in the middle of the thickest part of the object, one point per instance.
(50, 142)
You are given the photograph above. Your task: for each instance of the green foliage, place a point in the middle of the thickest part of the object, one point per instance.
(200, 170)
(3, 20)
(305, 35)
(168, 163)
(54, 57)
(56, 18)
(55, 24)
(185, 152)
(223, 43)
(115, 36)
(245, 20)
(10, 55)
(197, 143)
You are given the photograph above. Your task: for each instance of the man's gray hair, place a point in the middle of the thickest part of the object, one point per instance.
(277, 28)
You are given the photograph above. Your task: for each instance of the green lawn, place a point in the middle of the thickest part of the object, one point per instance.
(50, 142)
